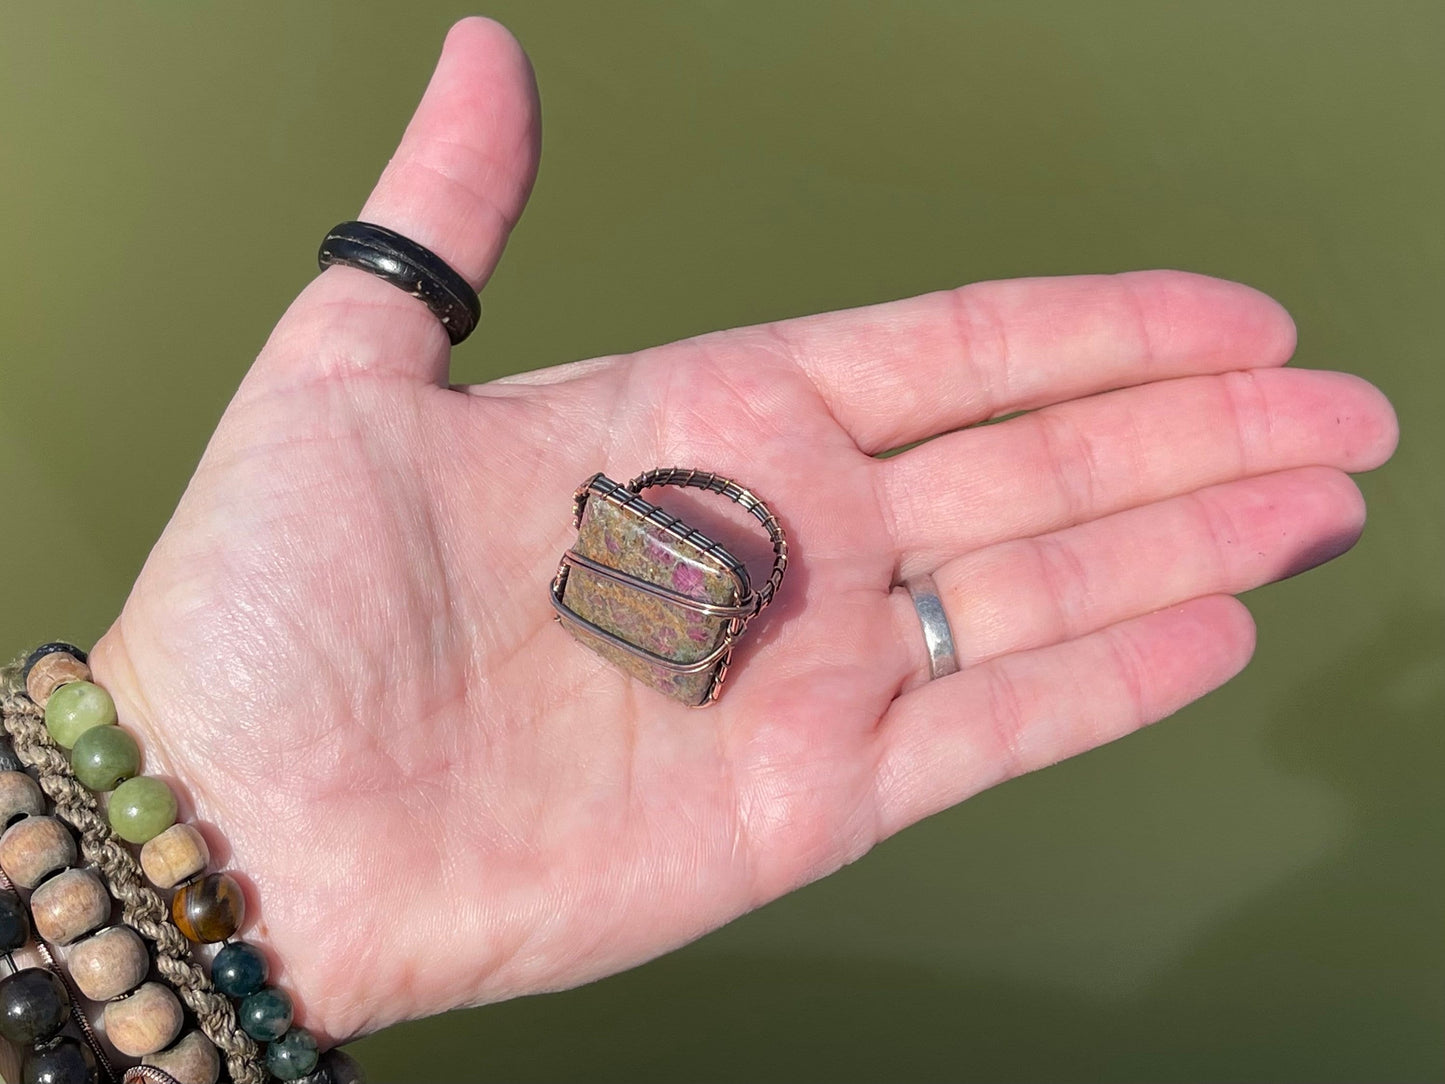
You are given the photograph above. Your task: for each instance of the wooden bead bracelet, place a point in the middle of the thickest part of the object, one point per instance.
(235, 1008)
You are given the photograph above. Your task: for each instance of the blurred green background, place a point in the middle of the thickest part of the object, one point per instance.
(1250, 891)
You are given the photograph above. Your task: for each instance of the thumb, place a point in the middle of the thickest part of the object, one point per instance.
(457, 185)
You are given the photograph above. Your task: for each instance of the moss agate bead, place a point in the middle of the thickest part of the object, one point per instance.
(239, 969)
(141, 809)
(9, 762)
(60, 1061)
(33, 1005)
(266, 1014)
(335, 1067)
(292, 1056)
(209, 910)
(104, 757)
(14, 922)
(34, 848)
(75, 708)
(344, 1069)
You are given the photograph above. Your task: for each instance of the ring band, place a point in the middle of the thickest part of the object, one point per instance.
(408, 266)
(942, 657)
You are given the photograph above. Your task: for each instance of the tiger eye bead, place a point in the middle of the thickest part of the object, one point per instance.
(69, 905)
(193, 1060)
(34, 848)
(210, 909)
(50, 666)
(109, 964)
(19, 797)
(144, 1023)
(141, 809)
(104, 757)
(14, 922)
(175, 855)
(33, 1005)
(75, 708)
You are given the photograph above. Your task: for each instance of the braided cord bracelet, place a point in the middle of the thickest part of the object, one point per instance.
(206, 908)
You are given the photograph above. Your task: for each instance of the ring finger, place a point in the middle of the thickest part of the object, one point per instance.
(1035, 592)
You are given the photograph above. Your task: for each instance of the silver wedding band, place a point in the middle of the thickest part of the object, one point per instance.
(942, 657)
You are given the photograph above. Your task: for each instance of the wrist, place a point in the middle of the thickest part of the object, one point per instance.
(142, 1021)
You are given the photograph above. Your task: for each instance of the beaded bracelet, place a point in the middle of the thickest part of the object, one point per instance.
(37, 1000)
(207, 908)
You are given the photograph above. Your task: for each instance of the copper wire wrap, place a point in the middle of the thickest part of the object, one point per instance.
(142, 908)
(76, 1010)
(751, 503)
(147, 1074)
(599, 486)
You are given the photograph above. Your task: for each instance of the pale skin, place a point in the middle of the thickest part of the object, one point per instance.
(342, 652)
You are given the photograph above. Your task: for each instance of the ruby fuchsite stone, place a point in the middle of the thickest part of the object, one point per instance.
(620, 536)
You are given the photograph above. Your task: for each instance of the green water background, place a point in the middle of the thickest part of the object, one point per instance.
(1250, 891)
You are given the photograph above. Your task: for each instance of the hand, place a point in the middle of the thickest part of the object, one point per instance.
(342, 650)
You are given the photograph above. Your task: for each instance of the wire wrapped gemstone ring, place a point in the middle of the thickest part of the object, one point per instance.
(653, 596)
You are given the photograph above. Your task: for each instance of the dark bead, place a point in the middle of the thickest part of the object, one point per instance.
(49, 649)
(61, 1061)
(344, 1069)
(266, 1014)
(336, 1066)
(14, 922)
(9, 762)
(239, 969)
(292, 1056)
(209, 910)
(33, 1005)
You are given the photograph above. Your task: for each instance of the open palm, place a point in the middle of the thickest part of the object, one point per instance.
(342, 649)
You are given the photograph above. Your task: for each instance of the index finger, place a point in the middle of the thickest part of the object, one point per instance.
(908, 370)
